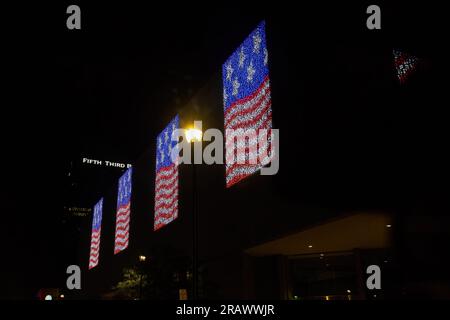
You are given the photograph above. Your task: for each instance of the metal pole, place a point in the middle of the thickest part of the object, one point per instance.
(194, 236)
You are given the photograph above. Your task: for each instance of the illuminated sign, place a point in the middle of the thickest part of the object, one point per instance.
(79, 212)
(106, 163)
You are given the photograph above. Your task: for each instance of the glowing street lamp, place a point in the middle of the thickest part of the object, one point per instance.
(193, 135)
(142, 259)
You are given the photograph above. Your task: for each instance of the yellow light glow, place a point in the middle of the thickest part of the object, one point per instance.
(142, 258)
(193, 135)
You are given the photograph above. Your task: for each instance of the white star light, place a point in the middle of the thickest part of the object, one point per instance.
(236, 86)
(159, 143)
(162, 156)
(266, 56)
(242, 57)
(170, 149)
(225, 96)
(229, 71)
(256, 43)
(250, 72)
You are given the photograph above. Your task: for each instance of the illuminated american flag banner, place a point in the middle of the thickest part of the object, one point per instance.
(95, 236)
(405, 64)
(247, 105)
(123, 212)
(166, 181)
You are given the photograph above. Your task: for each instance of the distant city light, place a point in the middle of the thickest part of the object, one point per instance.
(48, 297)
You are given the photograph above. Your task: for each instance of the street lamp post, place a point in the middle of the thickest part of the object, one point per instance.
(194, 235)
(192, 136)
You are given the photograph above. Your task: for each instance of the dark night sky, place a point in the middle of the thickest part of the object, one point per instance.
(103, 92)
(106, 92)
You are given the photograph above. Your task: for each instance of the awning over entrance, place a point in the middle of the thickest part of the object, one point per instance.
(363, 231)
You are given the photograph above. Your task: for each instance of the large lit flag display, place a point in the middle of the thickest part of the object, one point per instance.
(247, 105)
(123, 212)
(95, 236)
(166, 182)
(405, 64)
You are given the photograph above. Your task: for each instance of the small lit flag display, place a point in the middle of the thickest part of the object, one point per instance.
(95, 236)
(405, 65)
(123, 212)
(247, 106)
(166, 181)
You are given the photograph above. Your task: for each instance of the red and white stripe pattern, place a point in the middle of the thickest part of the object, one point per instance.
(95, 248)
(122, 228)
(123, 212)
(166, 195)
(96, 233)
(166, 181)
(405, 65)
(254, 112)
